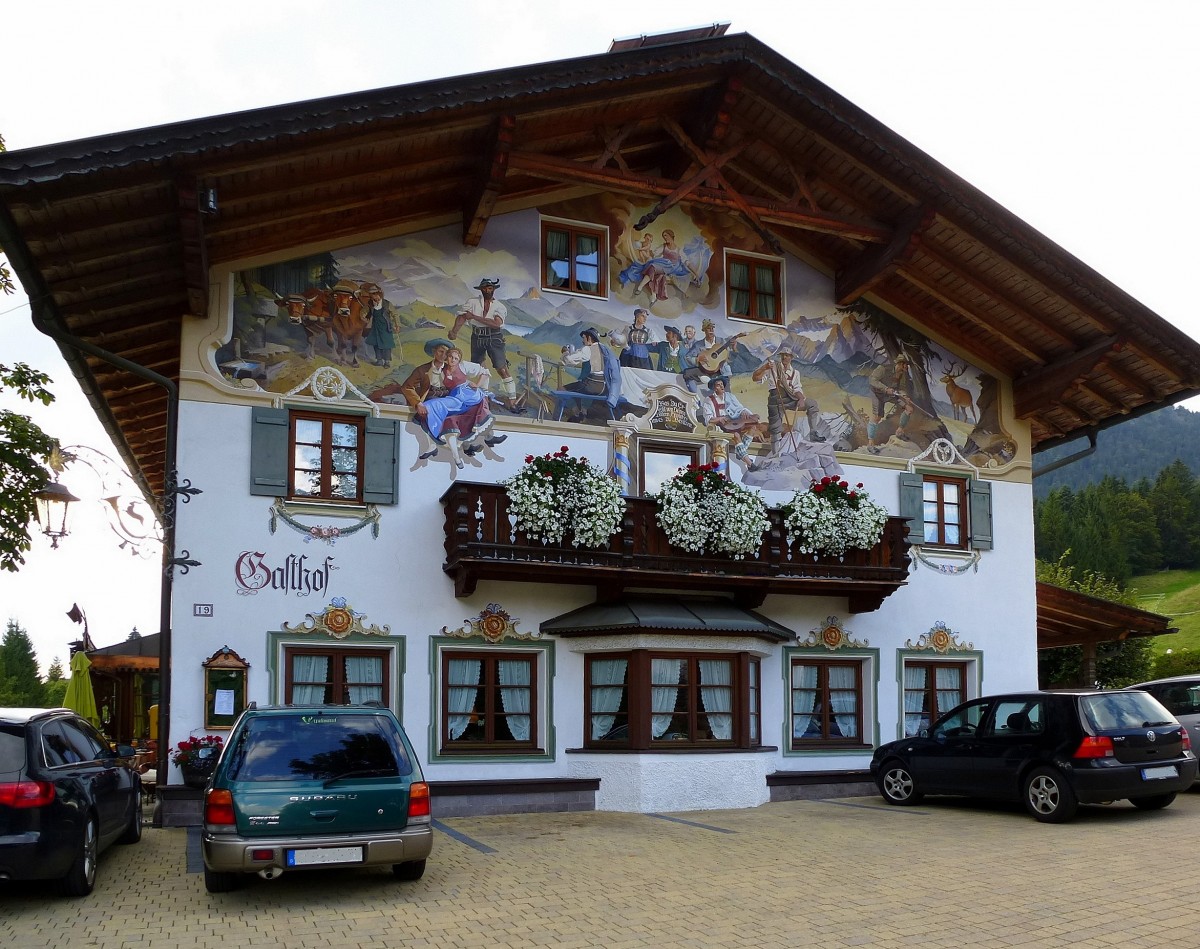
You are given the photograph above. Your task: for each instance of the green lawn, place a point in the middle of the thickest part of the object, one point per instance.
(1174, 593)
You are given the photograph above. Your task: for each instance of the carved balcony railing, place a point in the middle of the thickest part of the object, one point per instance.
(482, 544)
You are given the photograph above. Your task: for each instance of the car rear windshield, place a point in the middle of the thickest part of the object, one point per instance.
(317, 747)
(12, 748)
(1113, 711)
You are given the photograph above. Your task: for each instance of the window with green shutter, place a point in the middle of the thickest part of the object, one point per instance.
(305, 455)
(947, 511)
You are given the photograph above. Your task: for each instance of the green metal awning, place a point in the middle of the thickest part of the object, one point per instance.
(713, 615)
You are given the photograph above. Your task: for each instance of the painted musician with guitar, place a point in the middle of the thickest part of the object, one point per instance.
(710, 355)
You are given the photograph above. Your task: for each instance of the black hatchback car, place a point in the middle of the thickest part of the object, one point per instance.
(1050, 750)
(64, 797)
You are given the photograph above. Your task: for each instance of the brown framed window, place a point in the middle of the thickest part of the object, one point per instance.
(489, 702)
(327, 457)
(651, 701)
(753, 288)
(827, 702)
(350, 676)
(574, 258)
(931, 689)
(944, 511)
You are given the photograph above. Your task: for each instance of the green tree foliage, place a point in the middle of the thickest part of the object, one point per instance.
(55, 685)
(1121, 531)
(21, 684)
(24, 450)
(1176, 504)
(1177, 663)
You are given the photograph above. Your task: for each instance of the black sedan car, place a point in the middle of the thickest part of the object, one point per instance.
(1050, 750)
(64, 797)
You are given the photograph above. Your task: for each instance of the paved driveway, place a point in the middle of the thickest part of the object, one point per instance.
(834, 873)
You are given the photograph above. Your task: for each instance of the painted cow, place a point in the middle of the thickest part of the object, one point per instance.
(310, 311)
(351, 320)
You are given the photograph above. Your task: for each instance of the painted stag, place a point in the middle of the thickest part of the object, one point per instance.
(961, 400)
(310, 311)
(351, 320)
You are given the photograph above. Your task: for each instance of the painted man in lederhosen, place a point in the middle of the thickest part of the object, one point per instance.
(485, 315)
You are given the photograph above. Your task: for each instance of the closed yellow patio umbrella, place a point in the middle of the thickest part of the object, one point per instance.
(79, 696)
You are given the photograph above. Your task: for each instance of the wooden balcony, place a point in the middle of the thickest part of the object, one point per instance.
(481, 544)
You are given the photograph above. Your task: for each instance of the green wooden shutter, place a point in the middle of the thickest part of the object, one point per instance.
(381, 476)
(912, 506)
(269, 452)
(981, 514)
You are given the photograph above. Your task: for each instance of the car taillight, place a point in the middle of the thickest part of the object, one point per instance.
(418, 800)
(1186, 739)
(218, 807)
(1095, 746)
(26, 793)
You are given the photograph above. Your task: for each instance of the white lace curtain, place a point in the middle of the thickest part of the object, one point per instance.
(463, 686)
(949, 688)
(608, 686)
(843, 699)
(665, 676)
(514, 696)
(916, 716)
(716, 695)
(804, 699)
(364, 677)
(307, 670)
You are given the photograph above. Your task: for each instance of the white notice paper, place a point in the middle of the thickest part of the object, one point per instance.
(223, 703)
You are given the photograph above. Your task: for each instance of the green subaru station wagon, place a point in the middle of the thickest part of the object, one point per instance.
(304, 787)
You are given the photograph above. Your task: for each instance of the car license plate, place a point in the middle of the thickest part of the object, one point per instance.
(1165, 771)
(306, 858)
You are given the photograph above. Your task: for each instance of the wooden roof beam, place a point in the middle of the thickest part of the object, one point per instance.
(1049, 383)
(1003, 296)
(482, 202)
(558, 169)
(1025, 352)
(711, 172)
(875, 262)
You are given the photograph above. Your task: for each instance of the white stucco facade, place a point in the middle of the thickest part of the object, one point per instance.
(263, 578)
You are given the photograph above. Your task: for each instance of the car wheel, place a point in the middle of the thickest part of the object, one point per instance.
(1049, 797)
(216, 881)
(133, 833)
(413, 870)
(897, 784)
(1155, 802)
(81, 878)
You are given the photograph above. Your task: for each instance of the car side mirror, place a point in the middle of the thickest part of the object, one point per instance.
(924, 733)
(126, 751)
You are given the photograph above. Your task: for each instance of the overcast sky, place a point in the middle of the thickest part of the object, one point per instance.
(1080, 117)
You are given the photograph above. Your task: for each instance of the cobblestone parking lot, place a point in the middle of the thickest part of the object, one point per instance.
(828, 873)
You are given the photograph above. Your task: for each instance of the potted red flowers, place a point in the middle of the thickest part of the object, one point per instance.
(196, 757)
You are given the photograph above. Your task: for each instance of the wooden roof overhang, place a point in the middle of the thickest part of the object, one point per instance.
(112, 237)
(1067, 618)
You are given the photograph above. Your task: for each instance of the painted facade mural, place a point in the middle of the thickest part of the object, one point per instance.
(464, 336)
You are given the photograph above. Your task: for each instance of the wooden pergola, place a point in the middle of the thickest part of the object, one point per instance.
(1067, 618)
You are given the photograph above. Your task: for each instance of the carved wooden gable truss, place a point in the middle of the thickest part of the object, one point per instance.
(113, 236)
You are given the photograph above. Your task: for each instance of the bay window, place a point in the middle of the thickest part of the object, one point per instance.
(651, 701)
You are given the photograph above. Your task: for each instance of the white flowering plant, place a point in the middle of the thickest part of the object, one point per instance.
(555, 493)
(832, 517)
(701, 510)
